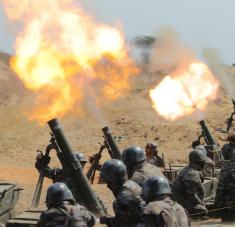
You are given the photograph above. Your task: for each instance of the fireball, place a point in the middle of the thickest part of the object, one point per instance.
(62, 51)
(186, 90)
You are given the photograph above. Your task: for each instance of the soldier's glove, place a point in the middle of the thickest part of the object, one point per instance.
(106, 220)
(91, 159)
(94, 157)
(42, 161)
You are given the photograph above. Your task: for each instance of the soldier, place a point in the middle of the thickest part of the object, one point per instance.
(114, 174)
(225, 193)
(57, 174)
(128, 203)
(128, 209)
(151, 152)
(188, 189)
(62, 210)
(161, 210)
(228, 148)
(138, 169)
(208, 168)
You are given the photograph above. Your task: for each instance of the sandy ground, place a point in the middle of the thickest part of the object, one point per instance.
(131, 117)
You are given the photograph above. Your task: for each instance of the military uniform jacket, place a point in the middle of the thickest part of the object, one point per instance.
(147, 170)
(128, 209)
(227, 151)
(165, 213)
(225, 194)
(67, 216)
(188, 189)
(157, 161)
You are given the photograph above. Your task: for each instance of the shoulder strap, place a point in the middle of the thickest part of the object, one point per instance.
(70, 217)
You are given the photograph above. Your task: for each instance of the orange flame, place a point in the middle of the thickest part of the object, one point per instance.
(184, 91)
(62, 51)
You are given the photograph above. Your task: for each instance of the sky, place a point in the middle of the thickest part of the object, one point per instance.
(201, 23)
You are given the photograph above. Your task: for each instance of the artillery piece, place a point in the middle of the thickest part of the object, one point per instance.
(73, 169)
(113, 150)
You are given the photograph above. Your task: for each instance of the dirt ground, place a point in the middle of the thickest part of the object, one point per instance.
(131, 118)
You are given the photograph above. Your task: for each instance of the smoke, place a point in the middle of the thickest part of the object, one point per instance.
(168, 51)
(92, 107)
(220, 70)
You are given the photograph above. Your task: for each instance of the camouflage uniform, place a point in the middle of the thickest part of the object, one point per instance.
(68, 215)
(208, 168)
(129, 185)
(128, 209)
(225, 194)
(227, 151)
(188, 189)
(157, 161)
(144, 170)
(165, 213)
(56, 175)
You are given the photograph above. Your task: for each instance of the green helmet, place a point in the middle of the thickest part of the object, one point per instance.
(155, 186)
(57, 193)
(113, 170)
(133, 155)
(197, 156)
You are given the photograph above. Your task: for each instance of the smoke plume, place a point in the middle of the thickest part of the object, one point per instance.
(220, 70)
(169, 51)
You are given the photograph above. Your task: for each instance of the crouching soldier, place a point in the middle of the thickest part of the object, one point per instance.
(225, 193)
(160, 209)
(188, 186)
(62, 210)
(228, 148)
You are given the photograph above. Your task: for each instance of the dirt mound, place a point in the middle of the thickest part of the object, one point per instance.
(131, 117)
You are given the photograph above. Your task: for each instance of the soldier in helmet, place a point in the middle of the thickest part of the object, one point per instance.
(114, 174)
(152, 156)
(188, 189)
(208, 168)
(225, 193)
(57, 174)
(128, 203)
(62, 210)
(228, 148)
(138, 169)
(160, 209)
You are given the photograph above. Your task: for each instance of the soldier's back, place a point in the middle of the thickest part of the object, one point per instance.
(187, 174)
(187, 183)
(67, 215)
(225, 194)
(147, 170)
(167, 213)
(227, 151)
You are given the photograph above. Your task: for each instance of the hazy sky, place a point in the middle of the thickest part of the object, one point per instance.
(201, 23)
